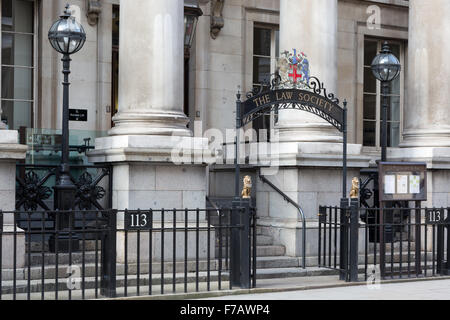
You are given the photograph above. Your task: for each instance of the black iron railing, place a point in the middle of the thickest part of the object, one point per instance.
(408, 242)
(123, 253)
(300, 211)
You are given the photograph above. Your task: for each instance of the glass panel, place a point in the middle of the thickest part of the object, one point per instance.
(277, 43)
(393, 134)
(17, 83)
(261, 69)
(395, 48)
(370, 106)
(395, 86)
(369, 133)
(16, 114)
(115, 25)
(370, 51)
(394, 109)
(7, 20)
(17, 15)
(23, 16)
(370, 84)
(17, 49)
(261, 42)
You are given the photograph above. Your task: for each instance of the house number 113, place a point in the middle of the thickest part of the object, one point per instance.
(138, 220)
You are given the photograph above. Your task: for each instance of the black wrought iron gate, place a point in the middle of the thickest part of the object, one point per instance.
(415, 242)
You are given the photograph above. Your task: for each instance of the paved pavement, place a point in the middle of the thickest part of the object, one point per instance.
(411, 290)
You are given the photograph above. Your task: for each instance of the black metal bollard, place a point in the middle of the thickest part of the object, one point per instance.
(240, 244)
(343, 241)
(354, 235)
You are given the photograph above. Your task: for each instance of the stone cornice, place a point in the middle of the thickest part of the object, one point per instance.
(13, 151)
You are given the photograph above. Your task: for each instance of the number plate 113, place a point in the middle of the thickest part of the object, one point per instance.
(137, 220)
(434, 216)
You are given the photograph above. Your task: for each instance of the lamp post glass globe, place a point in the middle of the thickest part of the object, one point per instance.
(191, 13)
(386, 66)
(66, 35)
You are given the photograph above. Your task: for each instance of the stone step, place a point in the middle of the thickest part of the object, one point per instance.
(261, 251)
(191, 280)
(91, 269)
(264, 240)
(261, 240)
(36, 247)
(63, 258)
(277, 262)
(264, 231)
(404, 246)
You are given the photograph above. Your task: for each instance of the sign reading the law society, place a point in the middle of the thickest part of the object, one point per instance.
(403, 181)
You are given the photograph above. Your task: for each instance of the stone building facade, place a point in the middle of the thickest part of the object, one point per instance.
(143, 97)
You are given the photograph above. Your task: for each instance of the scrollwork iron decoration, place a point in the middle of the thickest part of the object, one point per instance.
(318, 87)
(89, 192)
(272, 83)
(31, 192)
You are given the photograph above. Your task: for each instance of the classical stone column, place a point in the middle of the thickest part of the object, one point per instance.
(311, 27)
(427, 111)
(10, 152)
(157, 163)
(151, 69)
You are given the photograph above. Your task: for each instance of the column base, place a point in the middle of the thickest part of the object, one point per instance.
(310, 132)
(425, 138)
(145, 123)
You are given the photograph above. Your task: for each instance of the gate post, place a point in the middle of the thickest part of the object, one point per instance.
(108, 282)
(354, 233)
(343, 241)
(235, 254)
(445, 266)
(240, 244)
(440, 265)
(245, 244)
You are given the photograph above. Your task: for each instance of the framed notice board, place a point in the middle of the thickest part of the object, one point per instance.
(402, 181)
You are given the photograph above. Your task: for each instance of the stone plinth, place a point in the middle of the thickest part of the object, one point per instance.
(157, 172)
(10, 152)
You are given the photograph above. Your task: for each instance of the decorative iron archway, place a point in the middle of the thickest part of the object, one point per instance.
(314, 99)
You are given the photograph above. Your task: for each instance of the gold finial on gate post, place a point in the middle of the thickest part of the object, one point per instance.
(354, 193)
(247, 190)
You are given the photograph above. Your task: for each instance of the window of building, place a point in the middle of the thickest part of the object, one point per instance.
(372, 106)
(115, 61)
(266, 50)
(18, 63)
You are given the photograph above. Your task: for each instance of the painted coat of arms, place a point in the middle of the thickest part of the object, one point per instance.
(293, 69)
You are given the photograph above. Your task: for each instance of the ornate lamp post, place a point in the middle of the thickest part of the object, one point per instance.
(191, 13)
(67, 37)
(385, 67)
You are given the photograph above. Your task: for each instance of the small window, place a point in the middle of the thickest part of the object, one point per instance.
(18, 35)
(265, 53)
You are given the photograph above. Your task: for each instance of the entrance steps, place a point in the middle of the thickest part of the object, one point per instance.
(272, 263)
